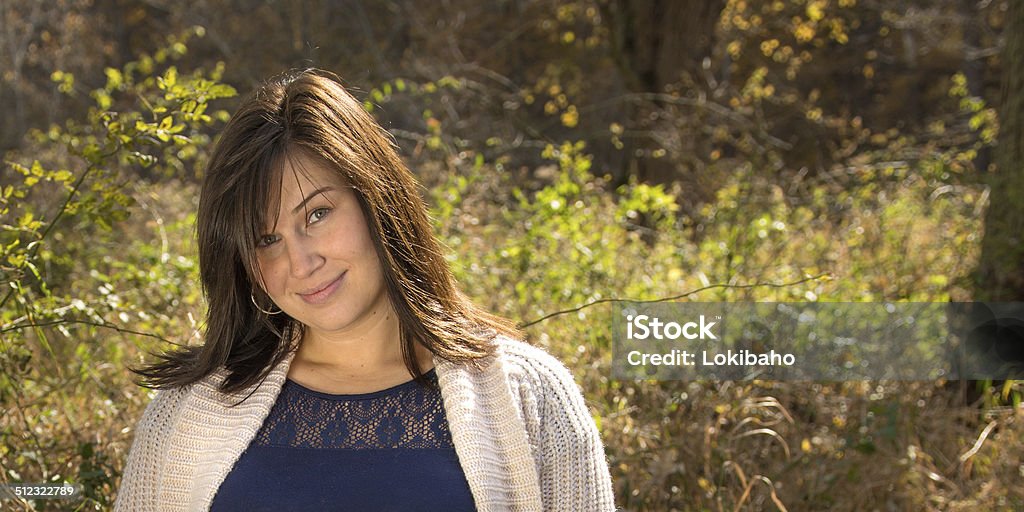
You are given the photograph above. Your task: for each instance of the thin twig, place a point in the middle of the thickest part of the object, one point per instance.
(669, 299)
(750, 486)
(105, 325)
(978, 444)
(770, 432)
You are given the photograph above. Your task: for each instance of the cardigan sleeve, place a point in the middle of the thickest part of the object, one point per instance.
(140, 480)
(568, 452)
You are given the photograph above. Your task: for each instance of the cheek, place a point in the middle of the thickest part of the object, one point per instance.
(369, 254)
(354, 240)
(270, 272)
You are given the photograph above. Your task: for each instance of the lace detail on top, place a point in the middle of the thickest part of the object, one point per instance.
(408, 415)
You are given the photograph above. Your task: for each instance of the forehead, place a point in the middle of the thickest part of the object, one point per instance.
(300, 174)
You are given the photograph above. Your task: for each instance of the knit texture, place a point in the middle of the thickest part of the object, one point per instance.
(521, 429)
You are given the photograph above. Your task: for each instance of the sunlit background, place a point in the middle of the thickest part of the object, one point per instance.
(571, 152)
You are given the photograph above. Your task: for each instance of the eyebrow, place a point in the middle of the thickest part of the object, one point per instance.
(310, 197)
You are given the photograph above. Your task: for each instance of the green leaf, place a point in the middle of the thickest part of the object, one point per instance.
(93, 154)
(114, 78)
(170, 78)
(222, 91)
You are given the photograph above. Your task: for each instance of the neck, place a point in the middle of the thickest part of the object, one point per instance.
(370, 347)
(366, 357)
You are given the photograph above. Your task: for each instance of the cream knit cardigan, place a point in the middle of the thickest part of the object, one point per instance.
(520, 428)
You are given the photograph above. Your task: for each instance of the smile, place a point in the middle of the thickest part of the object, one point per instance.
(321, 293)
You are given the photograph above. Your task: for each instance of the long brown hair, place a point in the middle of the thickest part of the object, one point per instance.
(310, 111)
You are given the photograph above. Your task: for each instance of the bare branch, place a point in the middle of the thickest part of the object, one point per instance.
(672, 298)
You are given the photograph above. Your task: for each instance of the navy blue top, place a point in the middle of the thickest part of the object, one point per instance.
(387, 450)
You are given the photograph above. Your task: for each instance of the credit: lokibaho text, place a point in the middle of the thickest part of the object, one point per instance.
(728, 358)
(646, 328)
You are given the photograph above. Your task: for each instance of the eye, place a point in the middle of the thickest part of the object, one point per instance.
(266, 241)
(318, 214)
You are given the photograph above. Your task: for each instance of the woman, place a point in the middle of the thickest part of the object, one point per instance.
(342, 369)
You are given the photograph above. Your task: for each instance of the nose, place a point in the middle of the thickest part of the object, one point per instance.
(303, 256)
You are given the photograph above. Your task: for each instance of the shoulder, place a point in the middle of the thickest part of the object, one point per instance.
(188, 434)
(529, 363)
(167, 401)
(163, 413)
(144, 467)
(542, 383)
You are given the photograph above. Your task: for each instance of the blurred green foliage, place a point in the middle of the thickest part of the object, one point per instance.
(81, 285)
(534, 183)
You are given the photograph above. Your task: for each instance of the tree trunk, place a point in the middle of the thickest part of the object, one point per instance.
(1000, 272)
(974, 66)
(999, 276)
(657, 42)
(658, 45)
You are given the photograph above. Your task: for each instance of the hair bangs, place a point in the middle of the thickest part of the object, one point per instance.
(259, 191)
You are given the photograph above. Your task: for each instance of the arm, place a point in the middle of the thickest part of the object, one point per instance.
(140, 480)
(567, 447)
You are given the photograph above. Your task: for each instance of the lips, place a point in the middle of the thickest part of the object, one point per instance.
(321, 293)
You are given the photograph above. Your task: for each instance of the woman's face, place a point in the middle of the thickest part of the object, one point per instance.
(318, 262)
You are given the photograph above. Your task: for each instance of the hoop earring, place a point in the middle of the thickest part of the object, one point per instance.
(261, 310)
